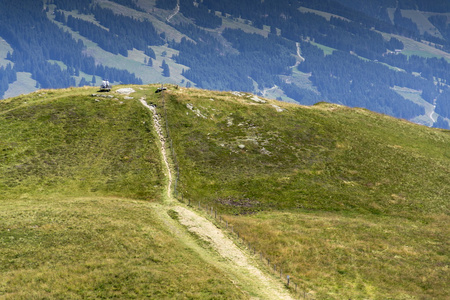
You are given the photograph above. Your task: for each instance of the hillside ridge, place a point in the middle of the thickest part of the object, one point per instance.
(349, 203)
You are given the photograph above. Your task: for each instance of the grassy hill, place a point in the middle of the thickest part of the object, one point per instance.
(325, 157)
(71, 143)
(350, 203)
(81, 181)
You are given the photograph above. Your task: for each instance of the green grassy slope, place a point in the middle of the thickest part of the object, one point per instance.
(99, 248)
(326, 157)
(80, 204)
(350, 203)
(72, 143)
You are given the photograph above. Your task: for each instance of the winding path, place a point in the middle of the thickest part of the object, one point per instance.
(177, 10)
(432, 113)
(302, 59)
(234, 261)
(264, 92)
(157, 125)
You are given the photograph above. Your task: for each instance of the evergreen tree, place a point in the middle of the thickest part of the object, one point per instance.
(441, 123)
(443, 103)
(166, 69)
(150, 53)
(83, 82)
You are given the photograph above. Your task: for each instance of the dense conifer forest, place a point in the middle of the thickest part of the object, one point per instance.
(36, 40)
(346, 52)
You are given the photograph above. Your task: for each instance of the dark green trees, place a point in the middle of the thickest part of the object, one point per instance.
(165, 69)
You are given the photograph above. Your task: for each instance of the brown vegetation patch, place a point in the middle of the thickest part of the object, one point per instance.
(239, 202)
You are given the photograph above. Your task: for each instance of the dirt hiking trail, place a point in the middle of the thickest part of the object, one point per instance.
(222, 251)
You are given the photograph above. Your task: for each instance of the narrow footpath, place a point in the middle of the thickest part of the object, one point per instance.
(302, 59)
(177, 10)
(241, 266)
(162, 140)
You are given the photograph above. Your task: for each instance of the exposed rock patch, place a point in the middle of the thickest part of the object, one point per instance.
(238, 94)
(196, 111)
(102, 96)
(257, 99)
(125, 91)
(278, 109)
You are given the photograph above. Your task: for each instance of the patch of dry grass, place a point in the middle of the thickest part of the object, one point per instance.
(355, 256)
(351, 203)
(95, 248)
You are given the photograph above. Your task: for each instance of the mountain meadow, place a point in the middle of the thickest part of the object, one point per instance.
(349, 203)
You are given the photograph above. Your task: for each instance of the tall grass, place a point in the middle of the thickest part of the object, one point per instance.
(99, 248)
(352, 203)
(326, 157)
(79, 179)
(75, 144)
(345, 255)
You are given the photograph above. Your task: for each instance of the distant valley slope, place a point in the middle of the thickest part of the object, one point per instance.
(391, 57)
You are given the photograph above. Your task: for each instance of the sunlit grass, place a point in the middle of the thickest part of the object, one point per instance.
(79, 179)
(78, 248)
(72, 143)
(339, 255)
(327, 157)
(350, 202)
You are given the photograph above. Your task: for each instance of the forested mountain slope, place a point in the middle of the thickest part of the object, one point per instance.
(391, 57)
